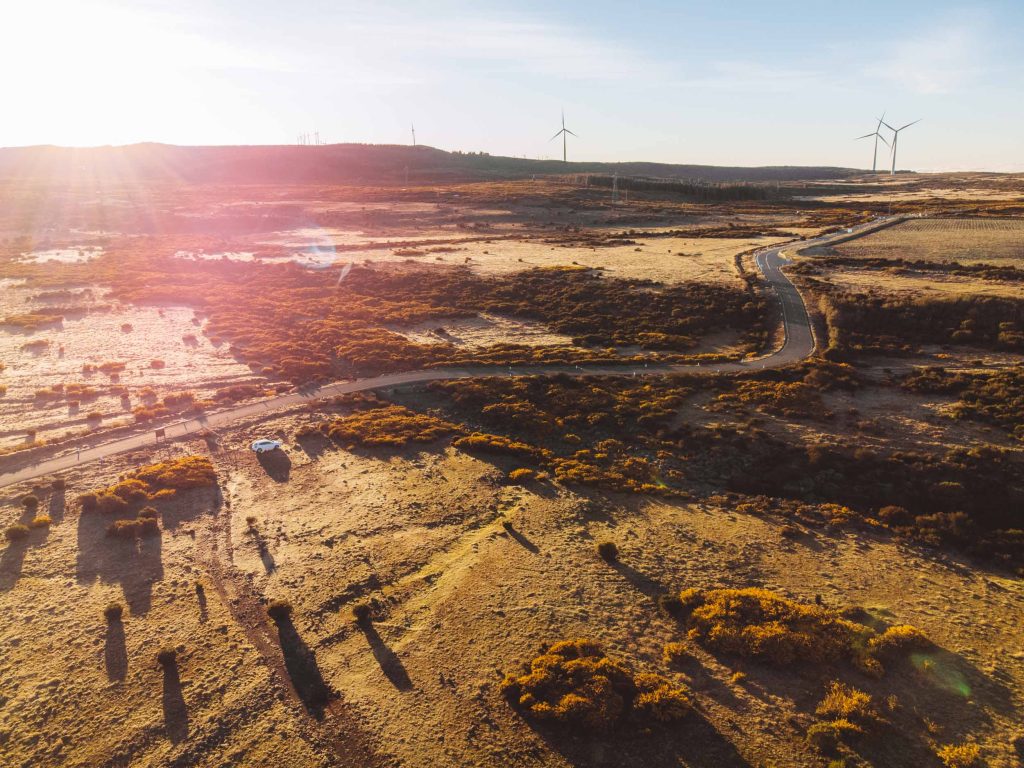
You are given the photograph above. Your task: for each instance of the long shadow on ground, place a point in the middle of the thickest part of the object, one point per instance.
(693, 742)
(388, 660)
(175, 709)
(303, 670)
(115, 656)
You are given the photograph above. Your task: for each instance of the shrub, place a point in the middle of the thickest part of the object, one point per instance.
(964, 755)
(899, 638)
(361, 611)
(88, 502)
(843, 702)
(574, 683)
(41, 521)
(523, 473)
(16, 532)
(280, 610)
(167, 656)
(148, 526)
(393, 426)
(30, 502)
(674, 653)
(123, 529)
(113, 612)
(250, 521)
(149, 512)
(110, 504)
(157, 364)
(660, 700)
(608, 551)
(827, 736)
(760, 624)
(59, 484)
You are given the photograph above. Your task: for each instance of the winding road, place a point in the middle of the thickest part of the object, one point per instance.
(798, 345)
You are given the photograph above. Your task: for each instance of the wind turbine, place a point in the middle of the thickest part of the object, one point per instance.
(413, 134)
(562, 133)
(877, 135)
(895, 138)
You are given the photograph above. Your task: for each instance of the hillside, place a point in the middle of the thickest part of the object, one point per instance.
(337, 164)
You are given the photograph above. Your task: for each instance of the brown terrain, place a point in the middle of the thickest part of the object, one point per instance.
(369, 594)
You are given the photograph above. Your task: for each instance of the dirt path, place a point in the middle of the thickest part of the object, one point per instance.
(329, 724)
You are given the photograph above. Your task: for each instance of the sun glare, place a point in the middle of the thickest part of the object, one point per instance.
(87, 71)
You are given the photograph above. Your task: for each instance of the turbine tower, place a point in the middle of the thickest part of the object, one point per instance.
(563, 133)
(413, 134)
(877, 135)
(895, 139)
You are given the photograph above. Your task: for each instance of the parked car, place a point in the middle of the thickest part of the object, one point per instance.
(264, 445)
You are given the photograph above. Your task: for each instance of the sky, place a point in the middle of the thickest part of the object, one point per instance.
(723, 83)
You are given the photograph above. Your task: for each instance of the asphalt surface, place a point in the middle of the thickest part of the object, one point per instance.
(799, 344)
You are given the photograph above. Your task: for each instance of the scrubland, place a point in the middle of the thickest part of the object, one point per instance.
(819, 565)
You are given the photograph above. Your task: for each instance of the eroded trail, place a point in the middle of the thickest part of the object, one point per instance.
(328, 722)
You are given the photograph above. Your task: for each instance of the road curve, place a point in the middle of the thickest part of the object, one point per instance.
(798, 345)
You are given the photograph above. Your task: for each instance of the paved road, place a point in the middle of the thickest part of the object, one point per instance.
(798, 345)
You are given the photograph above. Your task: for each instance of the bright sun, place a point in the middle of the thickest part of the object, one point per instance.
(83, 72)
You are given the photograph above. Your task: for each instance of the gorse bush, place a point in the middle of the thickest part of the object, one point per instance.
(113, 612)
(41, 521)
(899, 639)
(123, 529)
(280, 610)
(966, 755)
(574, 683)
(393, 426)
(760, 624)
(155, 481)
(608, 551)
(847, 703)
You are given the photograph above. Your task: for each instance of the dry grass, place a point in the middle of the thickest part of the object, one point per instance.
(968, 241)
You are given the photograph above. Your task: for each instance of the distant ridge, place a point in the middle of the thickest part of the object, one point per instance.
(338, 164)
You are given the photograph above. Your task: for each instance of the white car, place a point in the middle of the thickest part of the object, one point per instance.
(263, 446)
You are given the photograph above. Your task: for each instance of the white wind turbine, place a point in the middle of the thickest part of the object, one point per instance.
(563, 133)
(895, 139)
(877, 135)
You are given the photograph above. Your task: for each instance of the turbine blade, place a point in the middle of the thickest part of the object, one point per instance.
(913, 123)
(887, 125)
(556, 135)
(883, 139)
(570, 132)
(865, 136)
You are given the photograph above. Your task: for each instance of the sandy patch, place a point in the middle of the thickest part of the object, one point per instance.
(482, 331)
(96, 338)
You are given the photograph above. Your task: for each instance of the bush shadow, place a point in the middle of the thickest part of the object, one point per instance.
(115, 656)
(521, 539)
(303, 670)
(387, 659)
(693, 742)
(175, 709)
